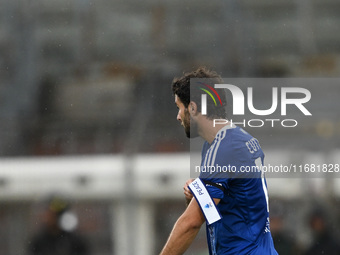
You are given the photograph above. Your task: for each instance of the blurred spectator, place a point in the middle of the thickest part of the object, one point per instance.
(284, 242)
(57, 236)
(324, 241)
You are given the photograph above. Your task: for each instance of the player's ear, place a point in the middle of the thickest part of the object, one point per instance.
(192, 108)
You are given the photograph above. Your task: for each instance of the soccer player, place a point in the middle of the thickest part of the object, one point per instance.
(234, 205)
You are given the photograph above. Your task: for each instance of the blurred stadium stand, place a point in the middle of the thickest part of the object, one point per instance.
(73, 71)
(83, 79)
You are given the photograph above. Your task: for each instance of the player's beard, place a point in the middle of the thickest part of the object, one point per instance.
(190, 126)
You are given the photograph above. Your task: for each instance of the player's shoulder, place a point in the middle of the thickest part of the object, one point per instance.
(242, 142)
(239, 134)
(234, 137)
(232, 141)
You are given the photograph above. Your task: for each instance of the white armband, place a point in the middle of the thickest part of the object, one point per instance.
(204, 200)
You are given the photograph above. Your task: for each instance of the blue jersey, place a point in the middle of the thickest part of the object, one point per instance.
(244, 227)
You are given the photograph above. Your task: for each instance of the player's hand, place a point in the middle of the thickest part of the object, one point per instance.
(187, 193)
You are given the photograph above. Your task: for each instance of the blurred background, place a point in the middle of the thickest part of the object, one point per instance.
(86, 112)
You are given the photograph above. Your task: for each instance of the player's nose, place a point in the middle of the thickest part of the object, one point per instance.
(179, 117)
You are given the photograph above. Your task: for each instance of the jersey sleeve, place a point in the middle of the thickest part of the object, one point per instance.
(214, 160)
(215, 187)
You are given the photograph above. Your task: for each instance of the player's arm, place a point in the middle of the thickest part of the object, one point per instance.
(187, 193)
(185, 229)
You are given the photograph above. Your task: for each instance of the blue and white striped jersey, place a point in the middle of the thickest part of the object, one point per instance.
(225, 171)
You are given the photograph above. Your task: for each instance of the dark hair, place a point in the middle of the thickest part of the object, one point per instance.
(189, 91)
